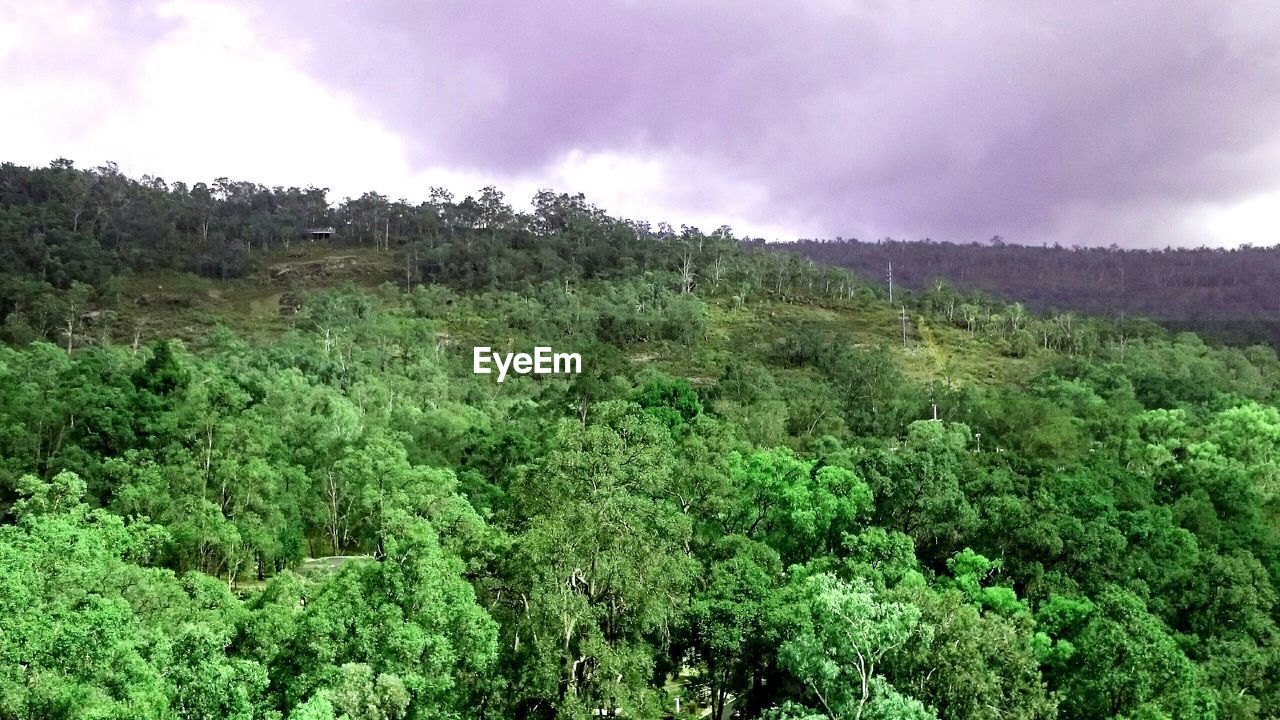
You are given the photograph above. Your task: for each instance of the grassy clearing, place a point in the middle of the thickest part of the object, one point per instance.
(169, 303)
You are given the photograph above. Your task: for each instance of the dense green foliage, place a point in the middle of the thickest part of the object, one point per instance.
(752, 500)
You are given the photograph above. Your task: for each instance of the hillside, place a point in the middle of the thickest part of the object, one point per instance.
(1225, 294)
(280, 490)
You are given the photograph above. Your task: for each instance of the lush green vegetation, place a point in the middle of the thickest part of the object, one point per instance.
(769, 492)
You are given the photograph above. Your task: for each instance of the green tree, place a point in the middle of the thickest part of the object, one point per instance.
(1123, 662)
(732, 619)
(601, 562)
(846, 632)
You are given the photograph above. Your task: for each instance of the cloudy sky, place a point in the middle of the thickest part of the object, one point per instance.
(1135, 123)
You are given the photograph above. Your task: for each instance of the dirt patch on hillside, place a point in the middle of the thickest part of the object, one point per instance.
(332, 266)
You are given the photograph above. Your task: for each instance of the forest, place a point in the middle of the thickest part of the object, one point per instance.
(248, 474)
(1225, 294)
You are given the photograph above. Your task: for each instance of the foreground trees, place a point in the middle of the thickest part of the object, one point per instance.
(839, 650)
(91, 633)
(613, 542)
(600, 564)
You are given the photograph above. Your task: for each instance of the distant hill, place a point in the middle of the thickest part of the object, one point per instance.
(1227, 295)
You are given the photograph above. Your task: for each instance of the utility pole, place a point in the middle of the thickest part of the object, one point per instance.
(890, 276)
(408, 277)
(904, 326)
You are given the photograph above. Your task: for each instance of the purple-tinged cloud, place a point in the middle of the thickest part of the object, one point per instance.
(952, 119)
(1039, 121)
(93, 46)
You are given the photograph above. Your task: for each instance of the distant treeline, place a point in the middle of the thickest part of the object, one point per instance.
(1227, 295)
(69, 237)
(61, 224)
(68, 229)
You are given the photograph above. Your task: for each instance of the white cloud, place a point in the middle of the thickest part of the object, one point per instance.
(665, 188)
(1255, 221)
(202, 93)
(211, 98)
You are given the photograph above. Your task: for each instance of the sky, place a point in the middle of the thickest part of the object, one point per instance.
(1140, 124)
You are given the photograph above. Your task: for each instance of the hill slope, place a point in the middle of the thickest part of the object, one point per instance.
(1225, 294)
